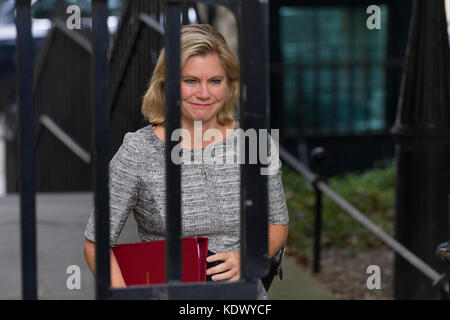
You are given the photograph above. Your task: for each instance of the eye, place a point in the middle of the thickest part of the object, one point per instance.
(216, 81)
(189, 81)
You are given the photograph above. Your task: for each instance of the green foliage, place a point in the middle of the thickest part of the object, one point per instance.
(372, 193)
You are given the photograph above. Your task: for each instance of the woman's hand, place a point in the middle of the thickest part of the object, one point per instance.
(231, 266)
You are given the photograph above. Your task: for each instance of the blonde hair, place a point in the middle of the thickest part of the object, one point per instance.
(196, 40)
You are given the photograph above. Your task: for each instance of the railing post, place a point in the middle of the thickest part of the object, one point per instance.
(318, 155)
(173, 115)
(253, 29)
(100, 144)
(24, 58)
(422, 136)
(443, 254)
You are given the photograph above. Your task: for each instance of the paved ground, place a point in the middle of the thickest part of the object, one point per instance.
(2, 161)
(297, 284)
(61, 221)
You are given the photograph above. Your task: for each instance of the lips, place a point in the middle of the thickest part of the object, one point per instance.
(201, 105)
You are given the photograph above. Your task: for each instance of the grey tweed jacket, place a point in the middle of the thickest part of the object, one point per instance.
(210, 204)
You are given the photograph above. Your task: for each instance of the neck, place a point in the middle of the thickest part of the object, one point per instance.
(204, 125)
(196, 131)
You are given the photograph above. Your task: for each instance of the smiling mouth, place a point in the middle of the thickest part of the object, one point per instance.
(201, 105)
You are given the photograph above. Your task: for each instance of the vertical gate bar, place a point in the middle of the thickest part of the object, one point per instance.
(24, 60)
(318, 156)
(317, 228)
(211, 14)
(277, 71)
(173, 172)
(254, 114)
(185, 13)
(101, 175)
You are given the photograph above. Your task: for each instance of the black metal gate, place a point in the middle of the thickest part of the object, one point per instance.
(252, 19)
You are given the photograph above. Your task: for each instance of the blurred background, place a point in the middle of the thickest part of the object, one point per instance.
(333, 80)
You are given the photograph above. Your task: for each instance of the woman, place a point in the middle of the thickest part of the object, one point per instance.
(210, 201)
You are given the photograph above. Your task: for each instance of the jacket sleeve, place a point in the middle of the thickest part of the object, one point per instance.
(124, 180)
(278, 212)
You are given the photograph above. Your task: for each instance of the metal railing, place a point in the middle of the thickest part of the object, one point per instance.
(139, 36)
(321, 187)
(24, 59)
(252, 19)
(251, 16)
(45, 122)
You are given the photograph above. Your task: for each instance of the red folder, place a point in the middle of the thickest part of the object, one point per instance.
(143, 263)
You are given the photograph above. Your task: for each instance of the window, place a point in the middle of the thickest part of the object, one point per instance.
(334, 70)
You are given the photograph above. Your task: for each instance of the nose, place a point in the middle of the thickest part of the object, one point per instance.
(202, 91)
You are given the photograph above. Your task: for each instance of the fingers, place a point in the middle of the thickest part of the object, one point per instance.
(225, 266)
(218, 257)
(223, 276)
(228, 270)
(223, 271)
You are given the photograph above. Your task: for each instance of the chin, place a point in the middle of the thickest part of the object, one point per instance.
(199, 117)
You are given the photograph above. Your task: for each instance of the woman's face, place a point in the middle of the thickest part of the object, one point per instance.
(203, 88)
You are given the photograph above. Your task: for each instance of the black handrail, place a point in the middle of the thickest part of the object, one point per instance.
(47, 123)
(25, 59)
(322, 187)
